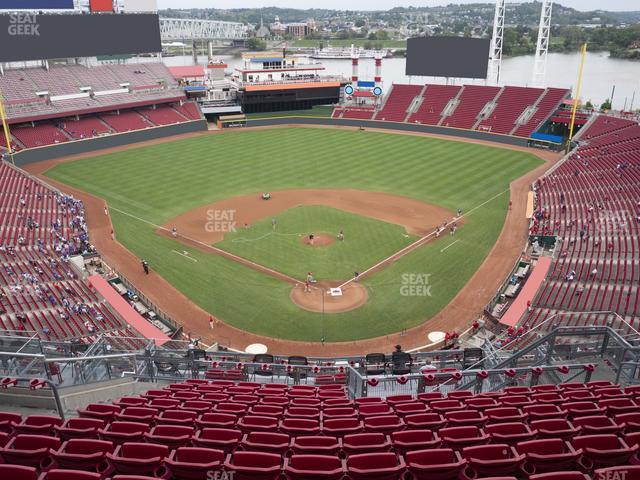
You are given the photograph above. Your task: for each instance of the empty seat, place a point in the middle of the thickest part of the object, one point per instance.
(378, 466)
(339, 427)
(8, 420)
(465, 417)
(176, 417)
(631, 472)
(163, 403)
(254, 465)
(603, 450)
(557, 475)
(83, 454)
(120, 432)
(442, 406)
(395, 400)
(79, 428)
(124, 402)
(365, 443)
(505, 414)
(374, 409)
(300, 426)
(302, 412)
(384, 424)
(38, 425)
(544, 411)
(548, 455)
(430, 420)
(615, 406)
(218, 438)
(582, 409)
(257, 423)
(410, 408)
(554, 428)
(312, 467)
(339, 412)
(18, 472)
(57, 474)
(194, 463)
(434, 464)
(138, 458)
(408, 440)
(519, 401)
(198, 406)
(216, 420)
(266, 410)
(317, 445)
(629, 421)
(460, 437)
(102, 411)
(231, 407)
(493, 460)
(29, 450)
(481, 403)
(267, 442)
(137, 414)
(510, 433)
(596, 424)
(173, 436)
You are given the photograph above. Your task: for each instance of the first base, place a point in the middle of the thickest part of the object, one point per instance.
(335, 292)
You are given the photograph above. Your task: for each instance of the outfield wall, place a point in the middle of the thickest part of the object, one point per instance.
(88, 145)
(400, 126)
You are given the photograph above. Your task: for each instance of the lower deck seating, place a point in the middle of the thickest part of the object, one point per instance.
(39, 135)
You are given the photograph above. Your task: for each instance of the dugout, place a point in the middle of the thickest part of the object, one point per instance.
(230, 121)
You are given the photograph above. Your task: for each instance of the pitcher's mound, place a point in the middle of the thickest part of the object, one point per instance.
(319, 240)
(353, 296)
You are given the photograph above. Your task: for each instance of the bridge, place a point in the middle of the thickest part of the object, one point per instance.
(172, 29)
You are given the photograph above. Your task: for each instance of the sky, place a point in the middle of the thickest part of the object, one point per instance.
(613, 5)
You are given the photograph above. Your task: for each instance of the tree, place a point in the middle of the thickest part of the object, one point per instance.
(606, 105)
(382, 35)
(588, 105)
(256, 44)
(360, 23)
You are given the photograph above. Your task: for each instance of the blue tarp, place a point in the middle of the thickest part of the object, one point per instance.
(36, 4)
(547, 137)
(260, 60)
(367, 84)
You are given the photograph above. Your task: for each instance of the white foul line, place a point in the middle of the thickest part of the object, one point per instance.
(419, 241)
(185, 256)
(449, 246)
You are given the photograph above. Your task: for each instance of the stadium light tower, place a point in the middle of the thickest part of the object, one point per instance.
(495, 56)
(544, 33)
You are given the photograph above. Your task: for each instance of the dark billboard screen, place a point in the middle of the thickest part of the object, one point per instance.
(456, 57)
(26, 36)
(36, 4)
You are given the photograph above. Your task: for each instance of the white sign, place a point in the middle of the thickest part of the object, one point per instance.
(140, 6)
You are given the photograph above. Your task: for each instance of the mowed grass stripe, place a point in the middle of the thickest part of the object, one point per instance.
(161, 181)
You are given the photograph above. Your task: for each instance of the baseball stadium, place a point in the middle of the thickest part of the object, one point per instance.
(257, 268)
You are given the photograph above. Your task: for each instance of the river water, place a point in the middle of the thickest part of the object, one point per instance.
(601, 74)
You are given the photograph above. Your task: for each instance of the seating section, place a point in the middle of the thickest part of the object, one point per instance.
(40, 229)
(188, 110)
(162, 115)
(434, 99)
(369, 437)
(39, 135)
(148, 82)
(357, 112)
(591, 202)
(511, 103)
(84, 127)
(397, 103)
(471, 102)
(126, 121)
(547, 105)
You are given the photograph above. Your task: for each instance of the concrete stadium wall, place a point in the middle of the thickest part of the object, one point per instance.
(403, 127)
(59, 150)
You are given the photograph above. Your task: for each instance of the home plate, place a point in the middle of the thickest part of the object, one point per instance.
(335, 292)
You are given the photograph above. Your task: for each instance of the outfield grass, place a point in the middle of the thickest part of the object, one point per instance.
(162, 181)
(367, 241)
(317, 111)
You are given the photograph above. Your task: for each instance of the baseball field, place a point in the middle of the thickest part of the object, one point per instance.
(245, 260)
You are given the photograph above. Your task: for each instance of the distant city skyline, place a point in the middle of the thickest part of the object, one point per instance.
(583, 5)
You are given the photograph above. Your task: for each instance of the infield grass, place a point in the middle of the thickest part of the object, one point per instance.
(159, 182)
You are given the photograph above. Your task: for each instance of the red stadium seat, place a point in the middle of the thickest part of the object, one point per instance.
(603, 450)
(82, 454)
(217, 420)
(124, 402)
(137, 414)
(102, 411)
(430, 421)
(195, 463)
(408, 440)
(18, 472)
(596, 424)
(410, 408)
(554, 428)
(8, 420)
(505, 415)
(254, 465)
(80, 428)
(374, 409)
(218, 438)
(119, 432)
(256, 423)
(384, 424)
(302, 412)
(339, 427)
(313, 467)
(339, 412)
(198, 406)
(497, 459)
(376, 466)
(548, 455)
(266, 442)
(465, 417)
(57, 474)
(557, 475)
(38, 425)
(29, 450)
(434, 464)
(176, 417)
(138, 458)
(365, 443)
(267, 410)
(460, 437)
(300, 426)
(163, 403)
(316, 445)
(510, 433)
(582, 409)
(173, 436)
(544, 411)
